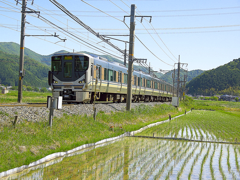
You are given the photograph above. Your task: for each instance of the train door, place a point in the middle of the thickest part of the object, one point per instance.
(135, 83)
(98, 77)
(119, 81)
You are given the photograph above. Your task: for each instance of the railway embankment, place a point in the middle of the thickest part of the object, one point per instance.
(40, 114)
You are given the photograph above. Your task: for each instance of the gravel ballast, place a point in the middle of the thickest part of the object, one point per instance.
(37, 114)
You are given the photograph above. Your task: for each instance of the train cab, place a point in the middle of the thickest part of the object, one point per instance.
(70, 72)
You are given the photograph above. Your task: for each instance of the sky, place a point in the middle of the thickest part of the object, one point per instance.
(204, 34)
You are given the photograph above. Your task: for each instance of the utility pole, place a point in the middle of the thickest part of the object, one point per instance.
(125, 55)
(178, 78)
(130, 57)
(21, 61)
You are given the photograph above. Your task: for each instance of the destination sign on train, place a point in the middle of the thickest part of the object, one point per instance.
(68, 57)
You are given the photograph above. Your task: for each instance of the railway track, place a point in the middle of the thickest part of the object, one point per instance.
(64, 104)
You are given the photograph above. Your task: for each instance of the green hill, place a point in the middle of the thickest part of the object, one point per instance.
(35, 72)
(14, 48)
(191, 74)
(217, 80)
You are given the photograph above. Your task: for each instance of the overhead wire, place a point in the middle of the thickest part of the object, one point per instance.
(54, 25)
(144, 44)
(149, 49)
(101, 11)
(75, 37)
(79, 32)
(160, 40)
(143, 65)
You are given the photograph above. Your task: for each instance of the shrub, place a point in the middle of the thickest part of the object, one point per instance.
(43, 89)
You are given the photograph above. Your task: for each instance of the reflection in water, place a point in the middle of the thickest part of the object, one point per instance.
(137, 158)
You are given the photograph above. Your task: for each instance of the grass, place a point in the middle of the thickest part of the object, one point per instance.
(69, 132)
(28, 97)
(223, 126)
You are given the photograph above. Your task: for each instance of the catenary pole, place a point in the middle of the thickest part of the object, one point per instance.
(21, 61)
(178, 81)
(131, 56)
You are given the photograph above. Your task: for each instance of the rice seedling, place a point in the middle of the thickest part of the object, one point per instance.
(203, 161)
(195, 161)
(236, 159)
(219, 163)
(166, 163)
(185, 161)
(211, 161)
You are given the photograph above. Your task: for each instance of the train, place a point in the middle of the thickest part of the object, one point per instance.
(79, 77)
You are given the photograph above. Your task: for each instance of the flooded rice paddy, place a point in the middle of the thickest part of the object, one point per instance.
(140, 158)
(149, 158)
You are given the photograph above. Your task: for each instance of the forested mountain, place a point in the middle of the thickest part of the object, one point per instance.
(14, 48)
(217, 80)
(191, 74)
(35, 74)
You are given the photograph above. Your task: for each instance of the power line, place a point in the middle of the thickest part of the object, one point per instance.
(101, 11)
(52, 24)
(84, 25)
(77, 31)
(154, 40)
(148, 48)
(155, 16)
(155, 11)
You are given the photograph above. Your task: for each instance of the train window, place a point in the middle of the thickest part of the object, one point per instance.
(56, 64)
(105, 74)
(98, 72)
(148, 83)
(119, 76)
(155, 85)
(67, 70)
(114, 76)
(139, 81)
(125, 78)
(81, 63)
(135, 80)
(110, 75)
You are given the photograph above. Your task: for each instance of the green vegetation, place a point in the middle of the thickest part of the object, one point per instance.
(222, 80)
(35, 75)
(211, 125)
(14, 49)
(191, 74)
(28, 97)
(69, 132)
(31, 141)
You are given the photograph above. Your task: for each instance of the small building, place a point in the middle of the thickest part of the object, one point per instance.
(5, 91)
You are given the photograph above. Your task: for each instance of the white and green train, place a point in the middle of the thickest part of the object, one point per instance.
(73, 76)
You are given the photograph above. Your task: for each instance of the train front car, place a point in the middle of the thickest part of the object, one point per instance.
(70, 74)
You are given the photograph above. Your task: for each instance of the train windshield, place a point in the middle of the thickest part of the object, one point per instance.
(81, 63)
(68, 69)
(56, 64)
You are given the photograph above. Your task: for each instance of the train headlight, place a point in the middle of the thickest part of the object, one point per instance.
(81, 81)
(55, 82)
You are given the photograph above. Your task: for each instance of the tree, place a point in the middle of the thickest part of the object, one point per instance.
(236, 99)
(36, 89)
(29, 88)
(43, 89)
